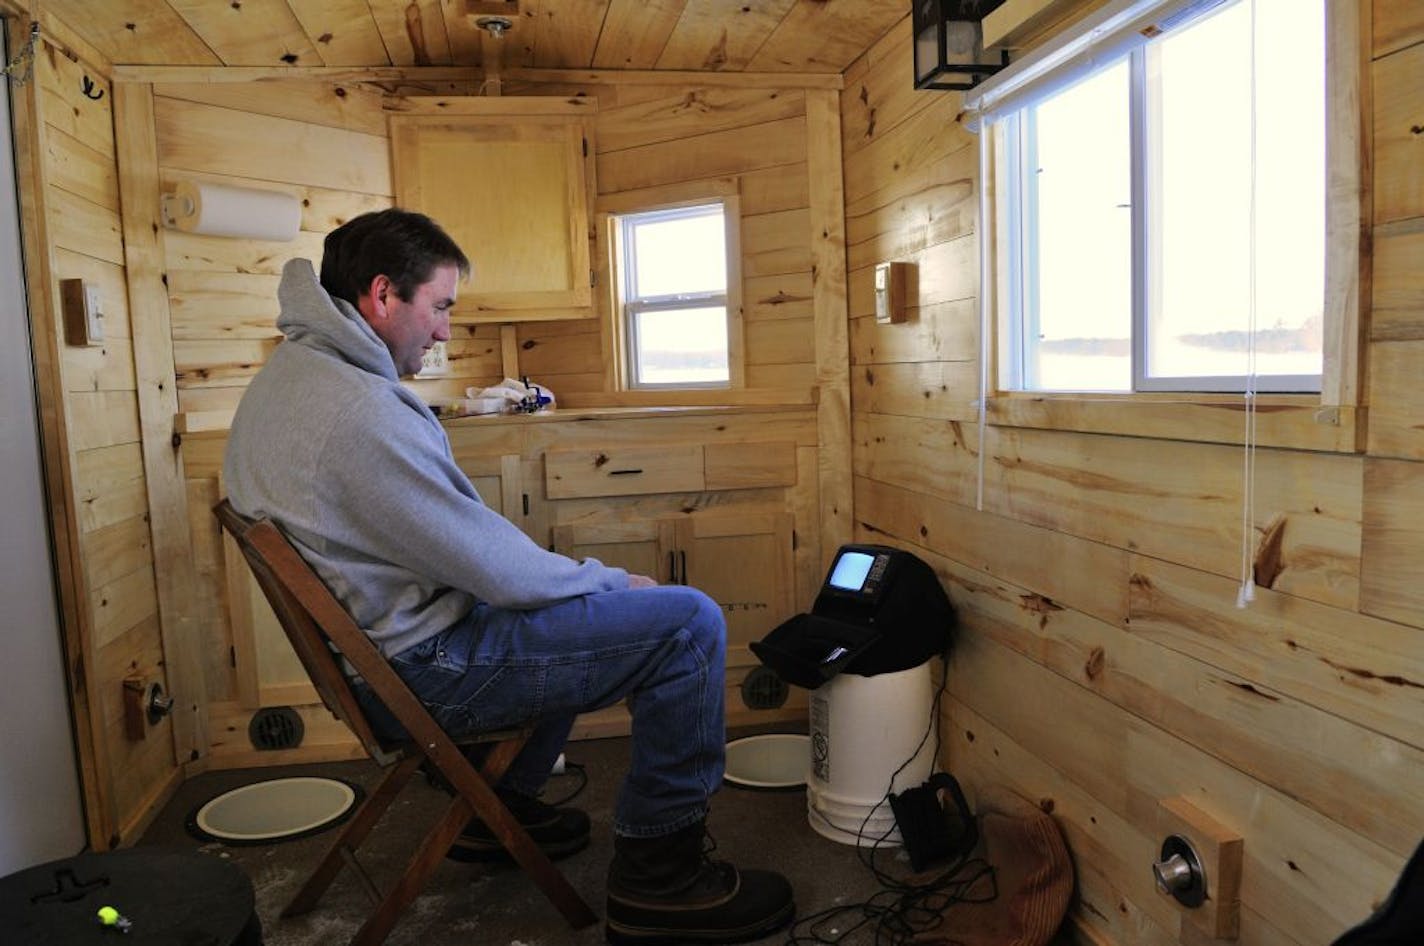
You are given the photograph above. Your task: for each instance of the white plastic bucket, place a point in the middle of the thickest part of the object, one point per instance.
(862, 730)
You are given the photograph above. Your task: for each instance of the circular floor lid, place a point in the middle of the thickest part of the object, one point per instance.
(274, 810)
(772, 760)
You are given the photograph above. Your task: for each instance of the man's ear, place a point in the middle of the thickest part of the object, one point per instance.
(372, 303)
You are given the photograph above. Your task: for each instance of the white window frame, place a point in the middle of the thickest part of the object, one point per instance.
(635, 305)
(1098, 39)
(614, 210)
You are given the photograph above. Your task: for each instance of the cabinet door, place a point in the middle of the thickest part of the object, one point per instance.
(642, 546)
(513, 191)
(744, 562)
(500, 483)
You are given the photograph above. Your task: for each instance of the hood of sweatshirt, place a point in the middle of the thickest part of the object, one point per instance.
(315, 319)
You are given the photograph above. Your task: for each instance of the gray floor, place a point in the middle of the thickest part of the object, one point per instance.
(467, 904)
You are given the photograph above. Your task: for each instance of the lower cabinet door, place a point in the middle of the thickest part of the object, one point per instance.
(743, 562)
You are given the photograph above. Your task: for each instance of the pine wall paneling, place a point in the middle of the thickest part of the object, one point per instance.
(157, 408)
(1102, 664)
(85, 230)
(221, 293)
(66, 504)
(99, 486)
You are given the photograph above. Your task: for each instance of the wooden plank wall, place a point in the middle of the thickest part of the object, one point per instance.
(334, 156)
(1102, 664)
(118, 634)
(222, 291)
(651, 136)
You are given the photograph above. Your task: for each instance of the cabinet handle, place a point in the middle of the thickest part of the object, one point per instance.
(632, 472)
(672, 568)
(526, 503)
(682, 561)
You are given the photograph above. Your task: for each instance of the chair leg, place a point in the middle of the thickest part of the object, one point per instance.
(548, 878)
(352, 834)
(511, 834)
(427, 858)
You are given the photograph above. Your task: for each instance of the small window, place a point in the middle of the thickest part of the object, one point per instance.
(673, 278)
(1130, 192)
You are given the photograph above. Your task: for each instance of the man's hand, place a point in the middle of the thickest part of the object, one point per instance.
(640, 581)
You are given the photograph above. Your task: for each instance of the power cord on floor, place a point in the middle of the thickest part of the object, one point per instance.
(903, 911)
(571, 770)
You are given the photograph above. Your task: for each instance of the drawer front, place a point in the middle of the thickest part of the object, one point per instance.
(748, 465)
(623, 471)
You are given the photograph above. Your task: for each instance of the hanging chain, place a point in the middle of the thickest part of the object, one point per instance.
(22, 66)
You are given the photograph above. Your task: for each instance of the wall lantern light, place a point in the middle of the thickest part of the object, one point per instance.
(949, 43)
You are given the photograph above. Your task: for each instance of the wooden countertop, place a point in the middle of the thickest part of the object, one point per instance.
(566, 414)
(746, 402)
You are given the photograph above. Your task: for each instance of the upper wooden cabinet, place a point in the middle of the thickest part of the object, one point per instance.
(511, 179)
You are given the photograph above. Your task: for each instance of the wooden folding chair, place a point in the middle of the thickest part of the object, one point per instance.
(316, 623)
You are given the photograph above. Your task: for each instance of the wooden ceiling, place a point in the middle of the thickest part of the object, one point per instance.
(788, 36)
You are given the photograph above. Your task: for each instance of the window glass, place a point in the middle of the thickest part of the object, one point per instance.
(673, 270)
(682, 346)
(1078, 286)
(681, 254)
(1200, 203)
(1133, 198)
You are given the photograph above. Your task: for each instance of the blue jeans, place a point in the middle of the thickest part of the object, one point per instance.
(662, 648)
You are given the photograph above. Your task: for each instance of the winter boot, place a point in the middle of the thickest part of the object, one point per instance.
(667, 890)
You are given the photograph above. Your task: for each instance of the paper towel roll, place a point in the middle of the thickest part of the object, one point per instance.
(222, 210)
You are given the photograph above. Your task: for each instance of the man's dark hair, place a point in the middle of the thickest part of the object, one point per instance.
(402, 245)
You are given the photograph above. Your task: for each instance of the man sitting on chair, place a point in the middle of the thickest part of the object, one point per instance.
(487, 628)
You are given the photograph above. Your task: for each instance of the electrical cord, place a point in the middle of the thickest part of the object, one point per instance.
(571, 770)
(903, 911)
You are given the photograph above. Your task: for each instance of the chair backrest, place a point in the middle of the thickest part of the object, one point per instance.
(314, 620)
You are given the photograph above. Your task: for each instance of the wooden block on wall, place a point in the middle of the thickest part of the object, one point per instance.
(1220, 850)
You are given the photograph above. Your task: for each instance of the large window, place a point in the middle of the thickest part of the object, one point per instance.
(673, 280)
(1161, 201)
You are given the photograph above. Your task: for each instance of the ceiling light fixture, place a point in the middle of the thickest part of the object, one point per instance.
(496, 26)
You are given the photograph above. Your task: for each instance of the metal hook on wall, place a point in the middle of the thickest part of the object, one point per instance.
(86, 85)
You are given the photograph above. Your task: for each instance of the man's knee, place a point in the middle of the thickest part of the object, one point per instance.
(705, 622)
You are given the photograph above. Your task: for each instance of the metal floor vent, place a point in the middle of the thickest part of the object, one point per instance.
(276, 727)
(762, 689)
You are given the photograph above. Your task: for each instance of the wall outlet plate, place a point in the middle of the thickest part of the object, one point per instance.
(435, 363)
(1220, 849)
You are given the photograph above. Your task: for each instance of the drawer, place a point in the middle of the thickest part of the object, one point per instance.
(623, 471)
(748, 465)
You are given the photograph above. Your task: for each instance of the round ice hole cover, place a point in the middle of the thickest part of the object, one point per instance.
(278, 809)
(771, 760)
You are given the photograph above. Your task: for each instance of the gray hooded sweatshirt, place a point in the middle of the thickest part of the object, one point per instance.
(358, 473)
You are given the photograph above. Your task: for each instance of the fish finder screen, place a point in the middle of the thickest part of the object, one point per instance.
(850, 571)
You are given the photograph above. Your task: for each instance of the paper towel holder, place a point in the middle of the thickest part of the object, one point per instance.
(172, 206)
(231, 211)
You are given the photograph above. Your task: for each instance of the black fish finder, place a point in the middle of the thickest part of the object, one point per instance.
(880, 610)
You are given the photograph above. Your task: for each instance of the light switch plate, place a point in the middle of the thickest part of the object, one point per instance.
(890, 292)
(83, 308)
